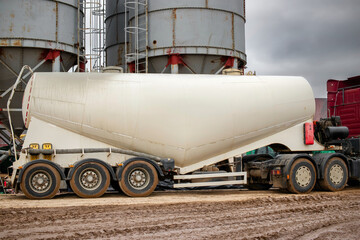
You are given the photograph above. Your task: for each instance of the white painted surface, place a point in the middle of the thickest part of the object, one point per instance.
(196, 119)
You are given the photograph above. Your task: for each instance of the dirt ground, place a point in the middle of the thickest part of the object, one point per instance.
(207, 214)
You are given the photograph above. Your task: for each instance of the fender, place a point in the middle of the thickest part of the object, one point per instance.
(288, 159)
(55, 165)
(322, 158)
(105, 164)
(120, 170)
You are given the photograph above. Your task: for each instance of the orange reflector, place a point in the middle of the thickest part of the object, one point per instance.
(288, 177)
(276, 172)
(120, 164)
(20, 167)
(71, 166)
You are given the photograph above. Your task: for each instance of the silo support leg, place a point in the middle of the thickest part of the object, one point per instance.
(56, 64)
(231, 62)
(174, 61)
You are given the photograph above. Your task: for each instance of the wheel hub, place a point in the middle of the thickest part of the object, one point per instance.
(336, 174)
(139, 178)
(90, 179)
(40, 182)
(303, 176)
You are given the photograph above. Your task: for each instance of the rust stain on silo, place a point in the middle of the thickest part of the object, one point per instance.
(174, 24)
(233, 31)
(4, 43)
(206, 3)
(120, 55)
(12, 15)
(17, 43)
(11, 27)
(57, 21)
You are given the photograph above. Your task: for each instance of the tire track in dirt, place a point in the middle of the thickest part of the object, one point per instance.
(288, 217)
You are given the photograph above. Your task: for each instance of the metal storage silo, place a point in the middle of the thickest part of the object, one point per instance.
(115, 35)
(193, 36)
(40, 33)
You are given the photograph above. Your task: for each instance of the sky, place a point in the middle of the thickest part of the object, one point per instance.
(316, 39)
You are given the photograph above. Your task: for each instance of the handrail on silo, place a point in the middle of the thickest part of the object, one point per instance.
(9, 102)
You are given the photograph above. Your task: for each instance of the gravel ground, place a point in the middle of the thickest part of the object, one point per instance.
(208, 214)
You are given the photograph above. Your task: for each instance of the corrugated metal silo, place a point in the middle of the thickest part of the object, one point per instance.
(38, 33)
(115, 35)
(199, 36)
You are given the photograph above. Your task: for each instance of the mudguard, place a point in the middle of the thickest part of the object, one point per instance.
(322, 158)
(108, 167)
(55, 165)
(119, 171)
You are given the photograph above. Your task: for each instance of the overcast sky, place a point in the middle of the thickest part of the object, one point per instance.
(317, 39)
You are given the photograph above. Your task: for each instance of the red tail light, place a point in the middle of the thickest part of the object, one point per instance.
(309, 133)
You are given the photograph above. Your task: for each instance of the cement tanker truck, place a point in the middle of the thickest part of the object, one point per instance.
(87, 131)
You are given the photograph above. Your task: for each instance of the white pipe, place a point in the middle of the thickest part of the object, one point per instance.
(8, 105)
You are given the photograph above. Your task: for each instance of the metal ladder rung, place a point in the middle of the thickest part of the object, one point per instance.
(138, 34)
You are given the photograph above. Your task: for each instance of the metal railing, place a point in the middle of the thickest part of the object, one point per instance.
(18, 80)
(91, 29)
(137, 28)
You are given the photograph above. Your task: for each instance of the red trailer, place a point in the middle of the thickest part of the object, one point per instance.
(344, 101)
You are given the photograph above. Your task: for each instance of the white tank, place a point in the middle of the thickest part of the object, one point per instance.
(187, 117)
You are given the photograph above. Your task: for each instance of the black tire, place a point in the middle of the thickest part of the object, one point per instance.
(335, 175)
(90, 180)
(40, 181)
(258, 186)
(139, 179)
(302, 176)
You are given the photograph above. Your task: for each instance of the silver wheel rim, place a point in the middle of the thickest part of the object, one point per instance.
(303, 176)
(139, 178)
(90, 179)
(336, 174)
(40, 181)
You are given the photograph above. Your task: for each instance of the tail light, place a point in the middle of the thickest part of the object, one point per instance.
(276, 172)
(309, 133)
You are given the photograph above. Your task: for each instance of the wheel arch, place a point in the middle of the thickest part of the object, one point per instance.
(55, 165)
(288, 159)
(321, 160)
(105, 164)
(279, 147)
(120, 170)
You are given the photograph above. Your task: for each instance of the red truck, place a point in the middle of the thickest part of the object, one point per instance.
(344, 101)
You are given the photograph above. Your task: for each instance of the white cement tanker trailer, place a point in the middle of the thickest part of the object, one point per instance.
(89, 130)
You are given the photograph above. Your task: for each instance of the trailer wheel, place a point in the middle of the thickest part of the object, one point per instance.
(336, 175)
(40, 181)
(302, 176)
(139, 179)
(90, 180)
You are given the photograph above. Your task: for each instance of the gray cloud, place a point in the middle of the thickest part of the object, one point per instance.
(318, 39)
